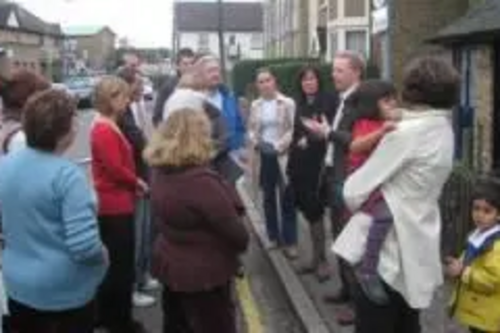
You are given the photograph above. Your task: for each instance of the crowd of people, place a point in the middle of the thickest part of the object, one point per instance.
(160, 206)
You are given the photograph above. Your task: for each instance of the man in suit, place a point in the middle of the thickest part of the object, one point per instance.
(185, 59)
(347, 73)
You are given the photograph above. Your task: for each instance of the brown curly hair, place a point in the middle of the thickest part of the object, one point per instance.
(16, 90)
(48, 117)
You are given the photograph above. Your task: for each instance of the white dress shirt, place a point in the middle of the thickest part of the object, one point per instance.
(336, 121)
(410, 166)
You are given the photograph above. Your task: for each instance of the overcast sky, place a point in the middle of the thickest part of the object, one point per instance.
(146, 23)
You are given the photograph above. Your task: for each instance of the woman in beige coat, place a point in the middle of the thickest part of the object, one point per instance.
(270, 134)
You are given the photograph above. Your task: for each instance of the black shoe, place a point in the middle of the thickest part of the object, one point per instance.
(373, 288)
(341, 297)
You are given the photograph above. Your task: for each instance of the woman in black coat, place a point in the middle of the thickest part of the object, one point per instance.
(306, 164)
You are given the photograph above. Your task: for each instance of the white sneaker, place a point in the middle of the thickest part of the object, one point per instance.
(142, 300)
(151, 285)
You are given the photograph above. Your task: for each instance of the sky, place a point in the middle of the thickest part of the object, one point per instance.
(145, 23)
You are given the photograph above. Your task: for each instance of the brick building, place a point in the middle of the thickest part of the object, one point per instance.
(28, 41)
(93, 46)
(408, 26)
(297, 28)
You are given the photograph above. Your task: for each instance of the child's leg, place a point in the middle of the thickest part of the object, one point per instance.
(381, 224)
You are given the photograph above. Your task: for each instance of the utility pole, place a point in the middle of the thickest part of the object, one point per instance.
(221, 39)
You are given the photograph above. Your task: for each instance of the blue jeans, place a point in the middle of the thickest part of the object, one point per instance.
(279, 208)
(143, 240)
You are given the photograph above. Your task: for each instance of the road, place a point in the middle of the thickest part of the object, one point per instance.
(262, 303)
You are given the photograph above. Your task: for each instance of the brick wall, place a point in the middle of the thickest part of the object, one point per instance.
(482, 60)
(414, 22)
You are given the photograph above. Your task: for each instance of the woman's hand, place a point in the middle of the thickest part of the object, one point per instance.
(319, 128)
(389, 126)
(142, 187)
(302, 143)
(454, 267)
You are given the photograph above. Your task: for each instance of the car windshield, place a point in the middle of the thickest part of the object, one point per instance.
(78, 83)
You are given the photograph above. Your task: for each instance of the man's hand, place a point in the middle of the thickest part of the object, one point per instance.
(319, 128)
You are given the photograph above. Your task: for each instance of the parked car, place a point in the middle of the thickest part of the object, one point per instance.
(82, 88)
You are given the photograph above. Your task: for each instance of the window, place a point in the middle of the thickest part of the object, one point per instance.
(232, 39)
(256, 41)
(356, 41)
(203, 40)
(354, 8)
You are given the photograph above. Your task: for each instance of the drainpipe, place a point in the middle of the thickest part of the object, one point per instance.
(391, 9)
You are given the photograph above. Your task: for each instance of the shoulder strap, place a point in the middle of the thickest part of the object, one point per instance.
(8, 138)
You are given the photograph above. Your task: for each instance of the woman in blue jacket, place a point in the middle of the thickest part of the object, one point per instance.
(53, 260)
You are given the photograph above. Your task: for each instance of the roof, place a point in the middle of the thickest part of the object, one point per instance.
(204, 16)
(81, 31)
(27, 20)
(481, 21)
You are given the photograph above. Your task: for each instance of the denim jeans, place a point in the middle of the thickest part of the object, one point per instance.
(143, 240)
(279, 208)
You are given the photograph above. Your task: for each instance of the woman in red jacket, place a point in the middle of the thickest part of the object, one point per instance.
(117, 186)
(200, 233)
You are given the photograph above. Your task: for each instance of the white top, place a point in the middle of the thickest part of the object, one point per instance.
(270, 122)
(142, 118)
(410, 166)
(183, 98)
(215, 98)
(336, 121)
(17, 141)
(478, 236)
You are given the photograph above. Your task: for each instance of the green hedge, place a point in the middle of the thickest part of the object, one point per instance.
(287, 76)
(286, 71)
(243, 73)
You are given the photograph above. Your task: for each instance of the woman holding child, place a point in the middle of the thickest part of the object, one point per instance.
(410, 162)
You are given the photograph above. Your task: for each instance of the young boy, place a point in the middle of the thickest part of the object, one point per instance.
(476, 300)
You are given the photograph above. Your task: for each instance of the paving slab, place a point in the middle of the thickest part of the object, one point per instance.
(306, 293)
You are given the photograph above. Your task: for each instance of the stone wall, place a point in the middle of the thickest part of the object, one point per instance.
(413, 22)
(482, 60)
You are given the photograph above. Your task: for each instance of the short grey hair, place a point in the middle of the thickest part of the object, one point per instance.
(356, 60)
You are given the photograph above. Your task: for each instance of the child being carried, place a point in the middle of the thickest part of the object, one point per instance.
(375, 104)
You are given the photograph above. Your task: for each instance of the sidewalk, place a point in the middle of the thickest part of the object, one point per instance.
(306, 293)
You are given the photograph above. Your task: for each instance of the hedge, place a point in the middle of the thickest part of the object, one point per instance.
(243, 73)
(287, 76)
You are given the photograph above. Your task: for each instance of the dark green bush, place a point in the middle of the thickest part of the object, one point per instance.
(243, 73)
(287, 75)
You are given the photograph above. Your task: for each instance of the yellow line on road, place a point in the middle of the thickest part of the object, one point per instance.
(248, 306)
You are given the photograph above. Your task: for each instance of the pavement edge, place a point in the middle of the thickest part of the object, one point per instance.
(301, 302)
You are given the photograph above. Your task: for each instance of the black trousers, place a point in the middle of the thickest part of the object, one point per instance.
(338, 221)
(24, 319)
(211, 311)
(395, 317)
(114, 298)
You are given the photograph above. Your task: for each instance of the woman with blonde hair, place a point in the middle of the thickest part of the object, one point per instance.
(117, 186)
(201, 234)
